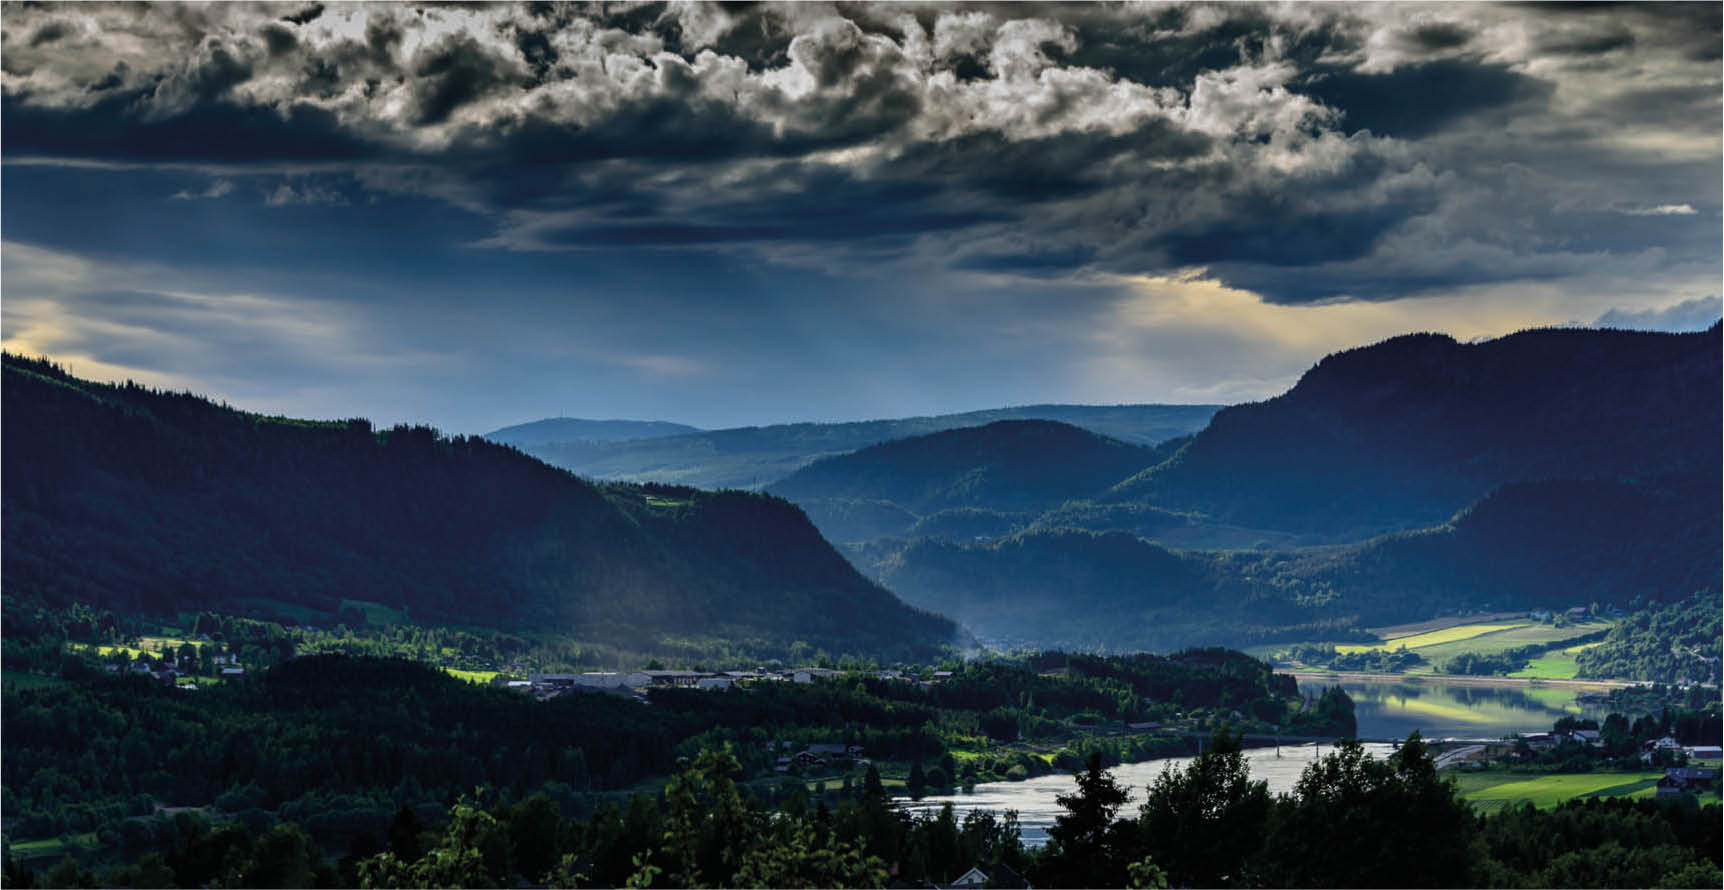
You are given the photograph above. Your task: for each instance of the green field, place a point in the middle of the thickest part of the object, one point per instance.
(1495, 790)
(480, 677)
(1491, 638)
(1556, 665)
(52, 848)
(1512, 638)
(1435, 637)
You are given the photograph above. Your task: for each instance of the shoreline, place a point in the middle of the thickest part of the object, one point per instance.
(1461, 680)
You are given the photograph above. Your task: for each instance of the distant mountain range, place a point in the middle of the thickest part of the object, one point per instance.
(1015, 468)
(574, 429)
(153, 503)
(752, 457)
(1397, 481)
(1394, 482)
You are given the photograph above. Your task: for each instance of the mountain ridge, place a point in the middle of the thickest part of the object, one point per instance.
(1403, 433)
(1008, 466)
(752, 457)
(580, 429)
(155, 502)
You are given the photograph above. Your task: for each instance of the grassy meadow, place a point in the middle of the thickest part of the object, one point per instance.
(1489, 791)
(1438, 645)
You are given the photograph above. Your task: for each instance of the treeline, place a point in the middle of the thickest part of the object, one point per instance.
(1351, 820)
(705, 830)
(335, 743)
(1622, 742)
(1355, 821)
(1375, 660)
(1663, 642)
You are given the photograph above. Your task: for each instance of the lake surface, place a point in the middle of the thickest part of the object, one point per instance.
(1442, 710)
(1033, 799)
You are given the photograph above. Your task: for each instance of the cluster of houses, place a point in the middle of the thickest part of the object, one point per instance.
(1541, 740)
(166, 668)
(818, 755)
(1687, 780)
(635, 683)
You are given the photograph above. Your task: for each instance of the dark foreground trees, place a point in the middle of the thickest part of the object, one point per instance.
(1352, 820)
(1356, 821)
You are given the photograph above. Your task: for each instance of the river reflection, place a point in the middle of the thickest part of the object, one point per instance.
(1441, 710)
(1033, 799)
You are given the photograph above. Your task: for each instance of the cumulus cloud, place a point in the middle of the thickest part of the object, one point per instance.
(216, 189)
(309, 193)
(1663, 210)
(1304, 152)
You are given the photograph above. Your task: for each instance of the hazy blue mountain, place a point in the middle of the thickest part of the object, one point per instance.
(1009, 466)
(1555, 543)
(1545, 544)
(1061, 588)
(574, 429)
(751, 457)
(155, 503)
(1404, 433)
(1549, 468)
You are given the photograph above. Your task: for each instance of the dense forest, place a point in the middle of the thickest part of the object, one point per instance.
(152, 503)
(1352, 820)
(1679, 642)
(336, 743)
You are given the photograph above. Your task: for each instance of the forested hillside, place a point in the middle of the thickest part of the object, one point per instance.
(1005, 467)
(1405, 433)
(154, 503)
(1060, 588)
(1531, 545)
(1663, 643)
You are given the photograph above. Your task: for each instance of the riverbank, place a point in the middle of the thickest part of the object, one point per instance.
(1333, 677)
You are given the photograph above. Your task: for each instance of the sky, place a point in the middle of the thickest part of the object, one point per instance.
(477, 215)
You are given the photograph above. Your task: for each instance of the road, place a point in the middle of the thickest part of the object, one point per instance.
(1460, 755)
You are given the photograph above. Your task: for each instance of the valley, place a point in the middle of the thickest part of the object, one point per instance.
(959, 621)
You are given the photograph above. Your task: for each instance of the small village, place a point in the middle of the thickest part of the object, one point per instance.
(635, 683)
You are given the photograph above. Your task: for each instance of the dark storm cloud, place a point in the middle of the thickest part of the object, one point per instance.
(1346, 143)
(296, 132)
(308, 14)
(48, 33)
(1418, 100)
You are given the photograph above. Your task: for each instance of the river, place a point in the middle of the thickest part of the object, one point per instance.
(1438, 709)
(1034, 798)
